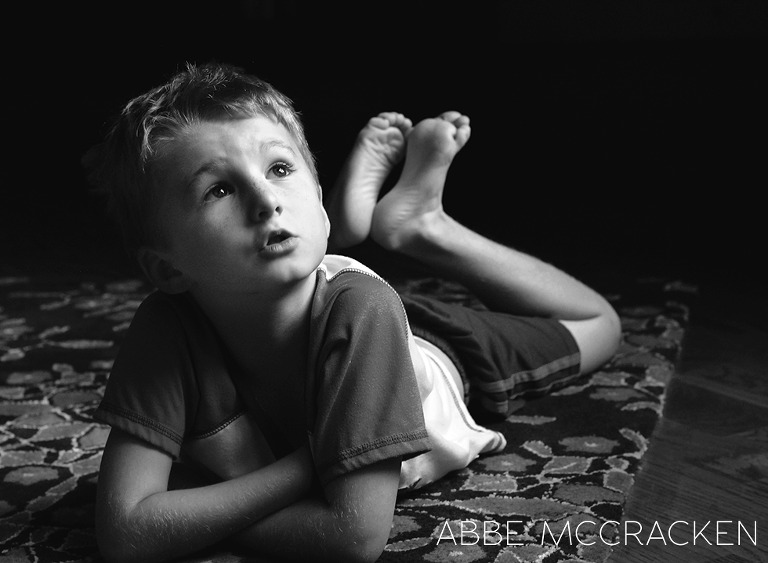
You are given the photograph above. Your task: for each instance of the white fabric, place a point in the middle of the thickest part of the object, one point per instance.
(456, 438)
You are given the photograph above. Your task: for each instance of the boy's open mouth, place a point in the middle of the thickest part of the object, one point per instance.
(277, 237)
(278, 243)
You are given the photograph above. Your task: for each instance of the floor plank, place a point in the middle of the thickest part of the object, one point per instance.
(708, 460)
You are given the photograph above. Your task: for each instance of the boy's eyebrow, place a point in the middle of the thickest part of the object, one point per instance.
(207, 167)
(279, 143)
(213, 164)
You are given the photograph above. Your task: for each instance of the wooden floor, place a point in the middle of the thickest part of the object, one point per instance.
(707, 464)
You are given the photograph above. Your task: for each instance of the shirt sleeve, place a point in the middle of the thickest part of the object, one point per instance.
(149, 393)
(364, 399)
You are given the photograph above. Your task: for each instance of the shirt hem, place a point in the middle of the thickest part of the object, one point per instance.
(395, 446)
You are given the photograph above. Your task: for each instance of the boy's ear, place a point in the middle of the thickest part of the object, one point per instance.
(161, 272)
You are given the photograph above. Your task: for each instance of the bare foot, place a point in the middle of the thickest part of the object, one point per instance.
(413, 208)
(380, 145)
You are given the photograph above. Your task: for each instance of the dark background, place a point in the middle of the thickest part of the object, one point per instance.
(617, 136)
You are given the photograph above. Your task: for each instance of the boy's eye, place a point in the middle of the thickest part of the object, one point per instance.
(217, 192)
(281, 169)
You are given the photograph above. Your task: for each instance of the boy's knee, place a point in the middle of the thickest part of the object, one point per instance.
(613, 331)
(610, 334)
(597, 338)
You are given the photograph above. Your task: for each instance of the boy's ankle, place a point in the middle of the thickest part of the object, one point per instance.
(419, 237)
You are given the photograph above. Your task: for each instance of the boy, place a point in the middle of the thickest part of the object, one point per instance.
(293, 377)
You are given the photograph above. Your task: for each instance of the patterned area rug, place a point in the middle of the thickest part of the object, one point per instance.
(555, 494)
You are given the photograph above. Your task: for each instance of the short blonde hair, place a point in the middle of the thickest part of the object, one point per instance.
(122, 166)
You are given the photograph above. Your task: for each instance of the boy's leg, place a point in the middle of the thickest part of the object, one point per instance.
(410, 219)
(379, 146)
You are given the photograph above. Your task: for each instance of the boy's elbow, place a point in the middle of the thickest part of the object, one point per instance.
(114, 549)
(362, 503)
(108, 538)
(363, 549)
(113, 555)
(124, 552)
(117, 543)
(362, 542)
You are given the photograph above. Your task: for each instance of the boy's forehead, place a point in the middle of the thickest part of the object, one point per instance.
(252, 132)
(205, 141)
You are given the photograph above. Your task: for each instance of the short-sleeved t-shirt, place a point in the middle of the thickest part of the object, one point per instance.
(173, 380)
(372, 390)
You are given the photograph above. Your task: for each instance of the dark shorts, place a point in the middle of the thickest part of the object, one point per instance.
(504, 359)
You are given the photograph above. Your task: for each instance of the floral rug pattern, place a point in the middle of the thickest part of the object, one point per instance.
(555, 494)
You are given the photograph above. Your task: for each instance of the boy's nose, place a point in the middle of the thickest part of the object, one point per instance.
(262, 203)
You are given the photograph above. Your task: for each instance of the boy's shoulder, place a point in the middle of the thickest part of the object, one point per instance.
(345, 277)
(164, 321)
(335, 265)
(348, 285)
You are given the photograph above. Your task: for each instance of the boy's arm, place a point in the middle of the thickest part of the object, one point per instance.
(139, 519)
(351, 523)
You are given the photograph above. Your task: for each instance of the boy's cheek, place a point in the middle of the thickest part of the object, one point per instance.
(327, 224)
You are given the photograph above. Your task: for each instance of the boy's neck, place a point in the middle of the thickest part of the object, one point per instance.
(262, 327)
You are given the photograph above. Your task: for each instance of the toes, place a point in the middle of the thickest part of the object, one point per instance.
(462, 134)
(389, 120)
(458, 119)
(395, 119)
(460, 122)
(390, 115)
(401, 122)
(379, 122)
(450, 116)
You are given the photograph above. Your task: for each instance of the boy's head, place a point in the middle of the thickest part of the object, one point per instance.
(131, 157)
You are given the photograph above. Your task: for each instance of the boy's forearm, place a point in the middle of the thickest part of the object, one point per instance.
(305, 531)
(350, 523)
(308, 531)
(169, 524)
